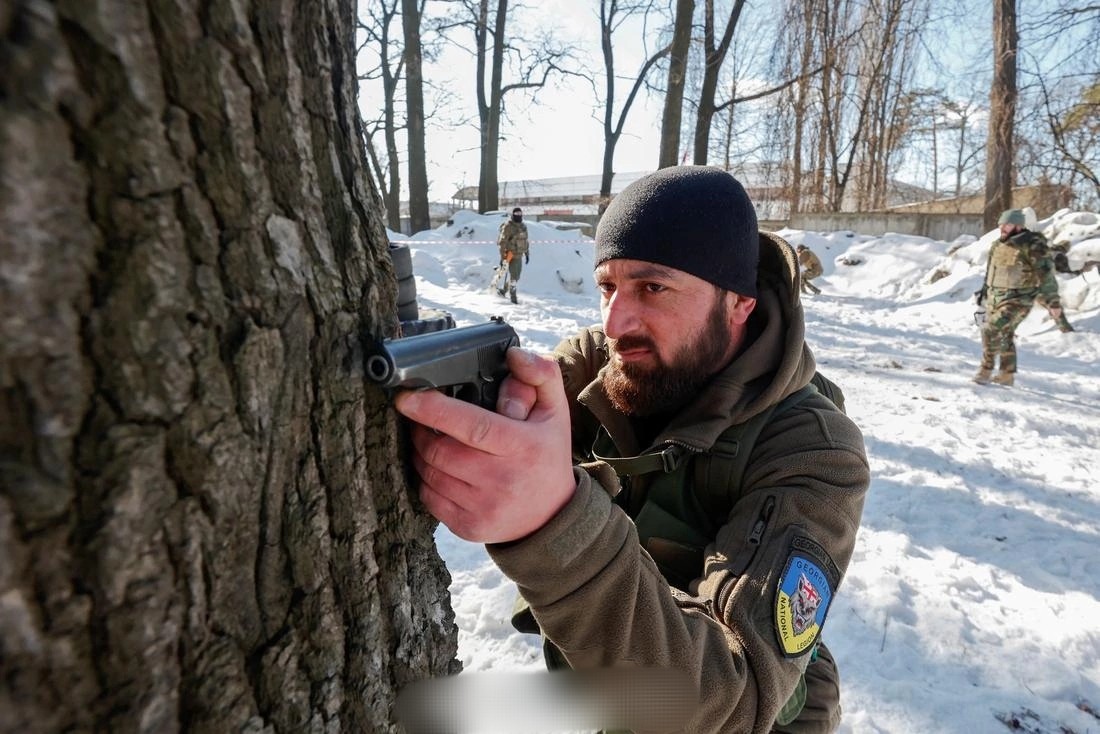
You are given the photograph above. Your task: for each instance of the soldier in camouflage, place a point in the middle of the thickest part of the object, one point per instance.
(1020, 272)
(512, 241)
(810, 266)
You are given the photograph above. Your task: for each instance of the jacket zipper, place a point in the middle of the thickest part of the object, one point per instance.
(756, 534)
(760, 525)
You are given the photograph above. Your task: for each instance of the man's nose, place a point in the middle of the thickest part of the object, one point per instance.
(619, 316)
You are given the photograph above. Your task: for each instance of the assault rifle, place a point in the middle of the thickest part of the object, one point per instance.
(467, 362)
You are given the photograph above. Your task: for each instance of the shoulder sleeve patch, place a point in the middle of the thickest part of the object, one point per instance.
(803, 596)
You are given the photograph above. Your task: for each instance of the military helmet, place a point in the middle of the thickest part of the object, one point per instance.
(1012, 216)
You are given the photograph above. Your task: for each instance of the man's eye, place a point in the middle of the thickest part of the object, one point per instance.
(654, 287)
(606, 288)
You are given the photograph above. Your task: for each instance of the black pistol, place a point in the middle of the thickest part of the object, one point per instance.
(466, 362)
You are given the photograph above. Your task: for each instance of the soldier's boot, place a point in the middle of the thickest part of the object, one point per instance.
(512, 294)
(501, 291)
(984, 376)
(1005, 378)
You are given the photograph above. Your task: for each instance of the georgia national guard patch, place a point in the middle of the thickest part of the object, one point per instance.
(803, 596)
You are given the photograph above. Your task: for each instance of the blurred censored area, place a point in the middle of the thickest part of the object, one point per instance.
(642, 700)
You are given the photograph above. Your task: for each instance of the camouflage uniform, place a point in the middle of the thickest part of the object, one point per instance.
(811, 268)
(512, 241)
(1021, 272)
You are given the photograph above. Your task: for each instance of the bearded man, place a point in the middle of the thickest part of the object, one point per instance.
(628, 548)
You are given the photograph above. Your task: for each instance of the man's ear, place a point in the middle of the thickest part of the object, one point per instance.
(739, 307)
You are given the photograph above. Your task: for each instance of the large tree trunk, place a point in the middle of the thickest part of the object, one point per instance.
(204, 525)
(488, 186)
(1002, 114)
(419, 214)
(672, 116)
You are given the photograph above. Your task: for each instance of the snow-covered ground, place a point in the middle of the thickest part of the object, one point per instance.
(974, 591)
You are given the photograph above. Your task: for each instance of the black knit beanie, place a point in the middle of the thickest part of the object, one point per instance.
(697, 219)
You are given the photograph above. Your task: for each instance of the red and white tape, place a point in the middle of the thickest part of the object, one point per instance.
(482, 242)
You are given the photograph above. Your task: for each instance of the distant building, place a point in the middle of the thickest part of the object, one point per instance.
(1045, 199)
(573, 201)
(577, 198)
(438, 214)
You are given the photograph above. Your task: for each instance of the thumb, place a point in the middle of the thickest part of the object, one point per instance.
(543, 374)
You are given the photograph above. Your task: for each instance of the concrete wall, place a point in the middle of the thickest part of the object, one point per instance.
(944, 227)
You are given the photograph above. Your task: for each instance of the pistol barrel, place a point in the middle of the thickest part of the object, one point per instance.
(465, 356)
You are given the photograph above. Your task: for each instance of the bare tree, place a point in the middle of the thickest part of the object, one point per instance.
(811, 56)
(1074, 129)
(850, 108)
(419, 215)
(612, 15)
(714, 54)
(1056, 123)
(1002, 114)
(960, 119)
(204, 523)
(672, 115)
(499, 48)
(942, 128)
(834, 45)
(890, 42)
(386, 64)
(1077, 136)
(801, 52)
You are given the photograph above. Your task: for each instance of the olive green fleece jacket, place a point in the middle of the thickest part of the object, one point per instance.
(599, 597)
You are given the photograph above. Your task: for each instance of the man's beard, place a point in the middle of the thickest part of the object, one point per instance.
(641, 390)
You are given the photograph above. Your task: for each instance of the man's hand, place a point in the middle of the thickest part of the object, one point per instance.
(495, 477)
(1055, 312)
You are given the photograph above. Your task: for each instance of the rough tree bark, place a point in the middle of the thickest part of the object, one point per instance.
(489, 102)
(1002, 114)
(672, 114)
(419, 208)
(204, 525)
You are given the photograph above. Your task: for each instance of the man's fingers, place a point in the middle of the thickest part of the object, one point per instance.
(450, 488)
(444, 509)
(541, 373)
(516, 399)
(471, 424)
